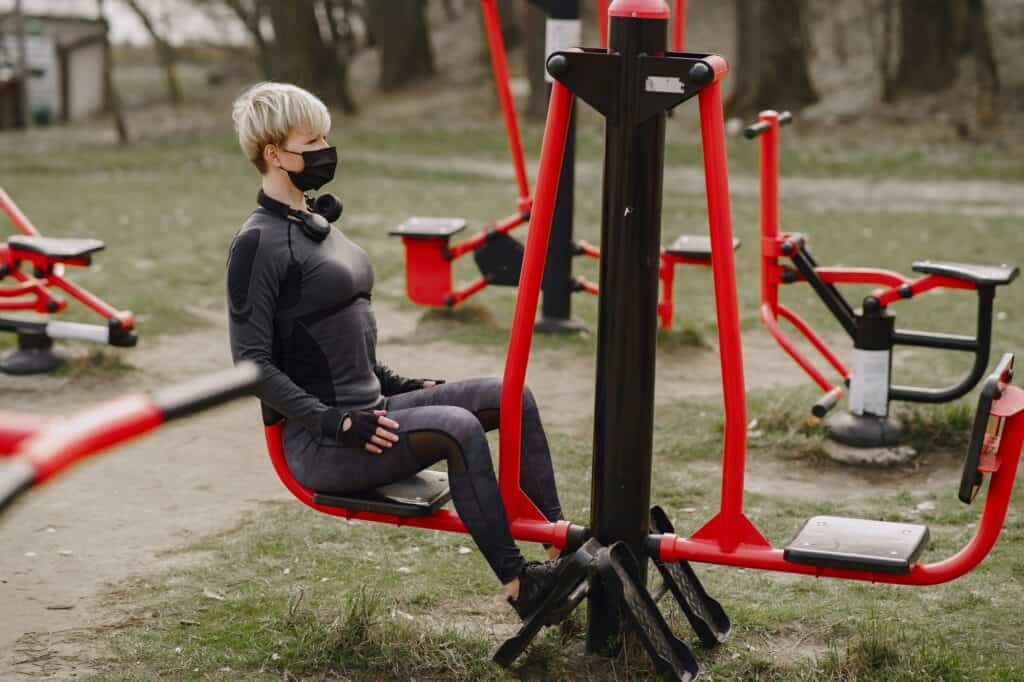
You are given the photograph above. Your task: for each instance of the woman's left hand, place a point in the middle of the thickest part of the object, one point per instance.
(428, 383)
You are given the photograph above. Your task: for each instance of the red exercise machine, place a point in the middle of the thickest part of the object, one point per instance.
(34, 450)
(786, 258)
(45, 258)
(610, 567)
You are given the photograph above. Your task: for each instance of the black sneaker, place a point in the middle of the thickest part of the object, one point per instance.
(536, 581)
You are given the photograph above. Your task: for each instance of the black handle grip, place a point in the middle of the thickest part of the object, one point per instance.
(755, 129)
(198, 394)
(16, 476)
(826, 403)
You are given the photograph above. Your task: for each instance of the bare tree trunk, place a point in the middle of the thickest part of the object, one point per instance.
(511, 29)
(164, 51)
(979, 42)
(112, 96)
(250, 18)
(24, 106)
(771, 65)
(301, 55)
(534, 22)
(399, 28)
(928, 45)
(343, 49)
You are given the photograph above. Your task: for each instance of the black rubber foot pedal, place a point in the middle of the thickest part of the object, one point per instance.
(672, 658)
(568, 592)
(706, 615)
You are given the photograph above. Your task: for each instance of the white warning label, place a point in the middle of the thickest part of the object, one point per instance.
(869, 384)
(561, 34)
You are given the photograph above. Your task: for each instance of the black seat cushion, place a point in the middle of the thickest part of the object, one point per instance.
(56, 249)
(981, 275)
(419, 495)
(695, 246)
(429, 228)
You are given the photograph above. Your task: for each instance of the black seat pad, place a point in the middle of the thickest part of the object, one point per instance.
(695, 246)
(981, 275)
(419, 495)
(429, 228)
(56, 249)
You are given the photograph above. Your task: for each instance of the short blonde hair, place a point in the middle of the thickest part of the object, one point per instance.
(265, 114)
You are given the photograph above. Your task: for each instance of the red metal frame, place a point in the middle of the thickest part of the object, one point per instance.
(648, 10)
(730, 538)
(32, 293)
(772, 243)
(525, 520)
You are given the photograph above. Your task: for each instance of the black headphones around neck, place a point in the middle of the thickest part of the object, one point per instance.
(314, 223)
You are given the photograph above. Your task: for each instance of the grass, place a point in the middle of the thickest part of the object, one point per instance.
(289, 593)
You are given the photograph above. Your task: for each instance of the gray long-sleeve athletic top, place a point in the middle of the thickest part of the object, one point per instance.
(300, 309)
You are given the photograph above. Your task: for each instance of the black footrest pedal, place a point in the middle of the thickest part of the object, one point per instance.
(706, 615)
(672, 658)
(568, 592)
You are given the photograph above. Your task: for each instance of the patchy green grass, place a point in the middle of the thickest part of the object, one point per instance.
(290, 593)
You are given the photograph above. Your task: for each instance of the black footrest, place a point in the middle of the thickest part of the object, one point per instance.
(672, 658)
(419, 495)
(695, 246)
(500, 259)
(569, 590)
(980, 275)
(56, 249)
(858, 544)
(429, 228)
(706, 616)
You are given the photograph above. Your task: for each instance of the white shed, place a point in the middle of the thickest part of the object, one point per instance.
(66, 59)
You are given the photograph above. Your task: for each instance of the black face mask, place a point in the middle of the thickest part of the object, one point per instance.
(318, 168)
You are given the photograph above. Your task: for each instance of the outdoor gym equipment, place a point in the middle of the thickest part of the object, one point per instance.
(632, 84)
(32, 291)
(429, 255)
(34, 450)
(786, 258)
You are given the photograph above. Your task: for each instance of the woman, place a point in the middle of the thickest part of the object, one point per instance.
(299, 294)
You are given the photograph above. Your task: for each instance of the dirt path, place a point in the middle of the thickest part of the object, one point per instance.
(114, 516)
(974, 197)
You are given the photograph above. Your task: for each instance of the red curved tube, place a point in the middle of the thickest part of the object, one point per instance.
(19, 219)
(499, 64)
(528, 293)
(710, 549)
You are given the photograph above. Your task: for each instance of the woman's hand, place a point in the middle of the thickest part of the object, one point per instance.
(371, 430)
(427, 383)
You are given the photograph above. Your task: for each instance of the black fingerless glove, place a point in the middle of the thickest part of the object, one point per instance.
(392, 383)
(364, 425)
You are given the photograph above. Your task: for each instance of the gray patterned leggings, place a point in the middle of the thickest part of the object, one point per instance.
(445, 422)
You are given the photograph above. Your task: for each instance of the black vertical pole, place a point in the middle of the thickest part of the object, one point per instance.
(627, 322)
(557, 287)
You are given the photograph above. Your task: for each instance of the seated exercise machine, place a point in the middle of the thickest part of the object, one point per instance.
(786, 258)
(429, 254)
(45, 259)
(632, 84)
(34, 450)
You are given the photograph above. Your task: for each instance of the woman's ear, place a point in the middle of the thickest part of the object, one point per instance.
(270, 156)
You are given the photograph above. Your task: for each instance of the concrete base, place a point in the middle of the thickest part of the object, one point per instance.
(862, 431)
(557, 325)
(34, 356)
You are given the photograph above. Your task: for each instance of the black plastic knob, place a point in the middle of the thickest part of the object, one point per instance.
(558, 65)
(701, 74)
